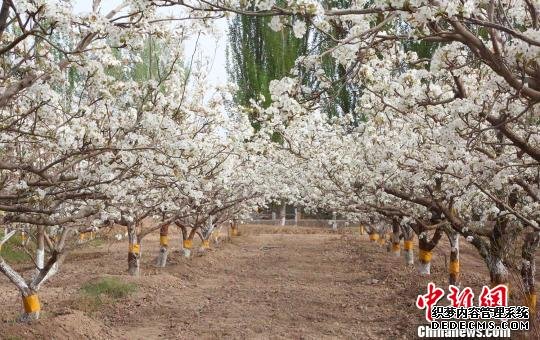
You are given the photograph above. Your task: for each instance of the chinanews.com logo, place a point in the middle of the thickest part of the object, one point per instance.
(491, 318)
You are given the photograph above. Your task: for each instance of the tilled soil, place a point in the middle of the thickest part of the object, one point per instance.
(278, 283)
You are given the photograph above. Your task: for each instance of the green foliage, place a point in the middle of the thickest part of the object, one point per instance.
(341, 97)
(95, 294)
(13, 337)
(96, 242)
(149, 67)
(13, 252)
(423, 48)
(257, 55)
(109, 287)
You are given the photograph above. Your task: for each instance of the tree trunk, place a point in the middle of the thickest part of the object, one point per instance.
(234, 229)
(408, 246)
(282, 214)
(205, 244)
(30, 299)
(187, 245)
(32, 306)
(40, 250)
(82, 238)
(453, 268)
(425, 247)
(501, 239)
(163, 246)
(528, 270)
(424, 261)
(396, 233)
(134, 254)
(498, 272)
(424, 256)
(215, 234)
(382, 239)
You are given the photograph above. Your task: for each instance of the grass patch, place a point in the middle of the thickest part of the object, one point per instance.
(13, 252)
(110, 287)
(97, 242)
(97, 293)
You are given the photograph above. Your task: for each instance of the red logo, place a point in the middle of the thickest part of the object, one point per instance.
(496, 296)
(489, 297)
(428, 300)
(460, 299)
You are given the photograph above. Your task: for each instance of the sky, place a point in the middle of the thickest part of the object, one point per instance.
(210, 48)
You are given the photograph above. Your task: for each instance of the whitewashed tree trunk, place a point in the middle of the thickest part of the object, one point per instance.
(408, 251)
(162, 256)
(453, 268)
(187, 245)
(32, 308)
(163, 246)
(424, 268)
(51, 266)
(396, 249)
(134, 253)
(408, 244)
(409, 256)
(282, 214)
(29, 291)
(40, 250)
(424, 262)
(395, 238)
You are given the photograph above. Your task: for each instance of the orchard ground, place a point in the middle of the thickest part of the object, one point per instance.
(271, 282)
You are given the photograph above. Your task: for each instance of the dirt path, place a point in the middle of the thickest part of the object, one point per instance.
(263, 284)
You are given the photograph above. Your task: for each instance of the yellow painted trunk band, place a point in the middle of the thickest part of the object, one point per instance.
(425, 255)
(454, 267)
(164, 240)
(31, 304)
(234, 231)
(408, 245)
(374, 237)
(395, 247)
(206, 244)
(530, 301)
(135, 248)
(187, 244)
